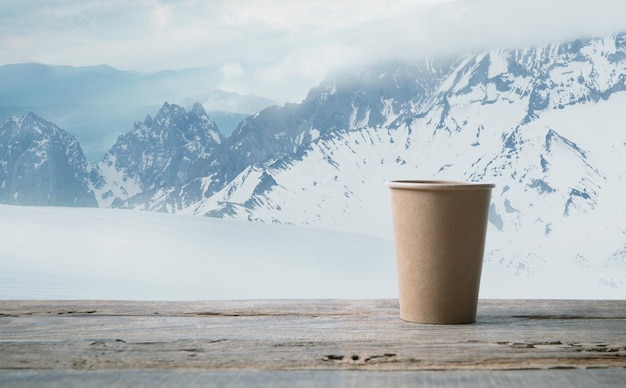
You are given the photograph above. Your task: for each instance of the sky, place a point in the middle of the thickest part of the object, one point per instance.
(282, 48)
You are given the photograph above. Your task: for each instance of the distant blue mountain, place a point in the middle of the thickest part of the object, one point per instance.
(98, 103)
(34, 84)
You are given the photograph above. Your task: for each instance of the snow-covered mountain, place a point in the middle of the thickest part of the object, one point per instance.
(369, 96)
(545, 124)
(155, 158)
(469, 123)
(41, 164)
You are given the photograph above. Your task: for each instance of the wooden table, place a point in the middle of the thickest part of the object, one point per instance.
(309, 343)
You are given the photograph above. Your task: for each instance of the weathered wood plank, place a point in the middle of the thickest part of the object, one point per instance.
(307, 335)
(152, 378)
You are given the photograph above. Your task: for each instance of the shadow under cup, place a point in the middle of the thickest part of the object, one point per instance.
(439, 235)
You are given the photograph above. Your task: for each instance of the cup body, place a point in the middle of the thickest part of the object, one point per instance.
(439, 235)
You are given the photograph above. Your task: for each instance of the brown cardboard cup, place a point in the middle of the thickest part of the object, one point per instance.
(439, 234)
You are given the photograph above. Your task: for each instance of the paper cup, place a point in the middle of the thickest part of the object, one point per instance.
(439, 234)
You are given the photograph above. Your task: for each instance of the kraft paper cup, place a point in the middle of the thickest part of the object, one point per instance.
(439, 234)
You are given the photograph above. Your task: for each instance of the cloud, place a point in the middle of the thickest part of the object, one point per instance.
(284, 47)
(464, 25)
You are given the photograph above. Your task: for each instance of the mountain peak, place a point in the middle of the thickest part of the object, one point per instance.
(156, 156)
(198, 110)
(41, 164)
(36, 126)
(32, 116)
(166, 107)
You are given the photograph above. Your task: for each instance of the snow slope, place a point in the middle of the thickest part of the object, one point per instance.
(70, 253)
(67, 253)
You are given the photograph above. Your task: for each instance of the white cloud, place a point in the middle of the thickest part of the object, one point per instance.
(463, 25)
(283, 46)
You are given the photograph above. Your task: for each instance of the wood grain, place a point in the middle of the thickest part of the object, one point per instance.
(308, 335)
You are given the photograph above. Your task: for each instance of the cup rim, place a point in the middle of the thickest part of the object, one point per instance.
(437, 185)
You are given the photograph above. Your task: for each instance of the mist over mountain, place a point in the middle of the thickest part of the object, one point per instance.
(545, 124)
(98, 103)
